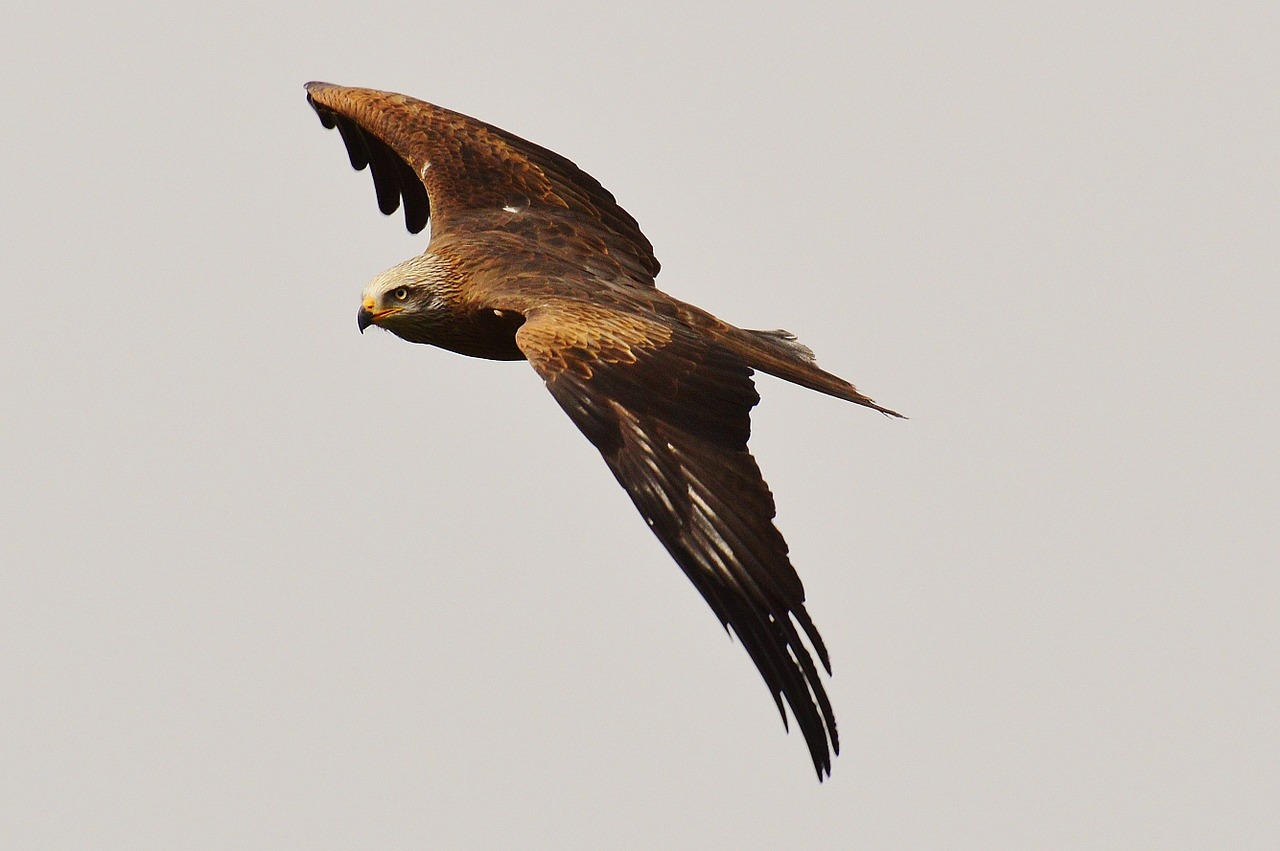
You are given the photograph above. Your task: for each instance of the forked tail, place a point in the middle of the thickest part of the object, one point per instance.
(780, 354)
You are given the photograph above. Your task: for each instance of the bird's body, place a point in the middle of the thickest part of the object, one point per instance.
(530, 258)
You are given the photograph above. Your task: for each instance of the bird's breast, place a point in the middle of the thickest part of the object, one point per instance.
(481, 333)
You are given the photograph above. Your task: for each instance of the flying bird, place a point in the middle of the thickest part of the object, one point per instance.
(530, 258)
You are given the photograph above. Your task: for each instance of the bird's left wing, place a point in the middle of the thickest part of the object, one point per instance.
(669, 411)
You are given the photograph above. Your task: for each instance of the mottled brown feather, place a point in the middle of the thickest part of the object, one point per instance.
(446, 165)
(669, 411)
(541, 263)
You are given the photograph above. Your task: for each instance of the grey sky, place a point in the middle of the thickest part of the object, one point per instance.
(268, 583)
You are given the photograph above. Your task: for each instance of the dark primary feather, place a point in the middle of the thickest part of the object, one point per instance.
(672, 420)
(474, 167)
(661, 388)
(393, 178)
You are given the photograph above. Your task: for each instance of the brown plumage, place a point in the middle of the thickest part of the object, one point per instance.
(531, 258)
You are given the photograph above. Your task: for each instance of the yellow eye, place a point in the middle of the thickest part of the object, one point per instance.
(401, 294)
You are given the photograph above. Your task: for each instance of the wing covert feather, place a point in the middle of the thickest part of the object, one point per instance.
(669, 412)
(449, 167)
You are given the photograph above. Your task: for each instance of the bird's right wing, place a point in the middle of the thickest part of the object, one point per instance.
(669, 411)
(460, 172)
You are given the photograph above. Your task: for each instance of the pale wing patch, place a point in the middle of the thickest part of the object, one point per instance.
(576, 336)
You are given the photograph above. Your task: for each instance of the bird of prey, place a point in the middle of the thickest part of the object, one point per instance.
(530, 258)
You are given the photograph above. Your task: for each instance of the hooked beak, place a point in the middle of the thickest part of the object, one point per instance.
(368, 316)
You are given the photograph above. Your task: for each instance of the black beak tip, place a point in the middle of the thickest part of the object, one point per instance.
(364, 319)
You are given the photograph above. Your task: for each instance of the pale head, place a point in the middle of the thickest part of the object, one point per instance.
(408, 299)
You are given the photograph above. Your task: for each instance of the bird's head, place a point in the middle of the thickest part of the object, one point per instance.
(408, 299)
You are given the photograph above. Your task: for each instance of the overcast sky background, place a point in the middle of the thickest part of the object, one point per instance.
(268, 583)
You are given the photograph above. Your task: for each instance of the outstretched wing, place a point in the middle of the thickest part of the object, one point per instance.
(669, 411)
(458, 172)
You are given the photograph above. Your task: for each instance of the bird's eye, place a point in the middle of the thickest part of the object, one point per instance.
(401, 294)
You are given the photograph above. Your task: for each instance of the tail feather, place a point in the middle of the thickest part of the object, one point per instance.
(787, 339)
(780, 354)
